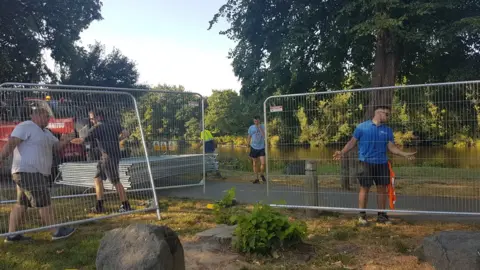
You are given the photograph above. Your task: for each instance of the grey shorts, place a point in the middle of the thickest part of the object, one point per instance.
(33, 189)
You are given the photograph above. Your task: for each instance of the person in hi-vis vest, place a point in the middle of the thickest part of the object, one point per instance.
(207, 136)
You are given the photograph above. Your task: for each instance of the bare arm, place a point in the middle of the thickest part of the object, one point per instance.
(249, 139)
(90, 134)
(64, 140)
(394, 150)
(349, 146)
(9, 147)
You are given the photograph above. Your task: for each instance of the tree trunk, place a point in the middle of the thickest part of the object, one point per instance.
(384, 73)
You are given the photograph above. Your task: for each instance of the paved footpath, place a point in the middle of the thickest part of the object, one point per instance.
(250, 193)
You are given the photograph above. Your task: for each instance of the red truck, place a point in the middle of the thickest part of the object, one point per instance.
(63, 120)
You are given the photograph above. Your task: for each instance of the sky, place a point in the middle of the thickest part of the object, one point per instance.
(169, 41)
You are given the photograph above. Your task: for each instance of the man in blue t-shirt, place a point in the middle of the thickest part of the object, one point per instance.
(256, 140)
(374, 138)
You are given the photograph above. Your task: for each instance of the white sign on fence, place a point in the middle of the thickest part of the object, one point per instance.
(276, 108)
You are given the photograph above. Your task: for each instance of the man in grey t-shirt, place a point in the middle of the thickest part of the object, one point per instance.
(32, 146)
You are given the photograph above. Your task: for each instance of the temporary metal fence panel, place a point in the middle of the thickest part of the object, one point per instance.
(171, 122)
(68, 118)
(440, 122)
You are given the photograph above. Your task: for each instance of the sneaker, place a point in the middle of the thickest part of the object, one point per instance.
(263, 178)
(63, 232)
(17, 238)
(124, 209)
(97, 210)
(383, 219)
(256, 181)
(362, 220)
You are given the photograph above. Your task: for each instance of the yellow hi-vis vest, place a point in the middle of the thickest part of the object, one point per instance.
(206, 135)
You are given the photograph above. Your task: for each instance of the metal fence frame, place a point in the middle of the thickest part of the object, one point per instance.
(155, 207)
(330, 92)
(26, 87)
(102, 89)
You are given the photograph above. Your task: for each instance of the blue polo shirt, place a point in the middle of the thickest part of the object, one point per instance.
(373, 141)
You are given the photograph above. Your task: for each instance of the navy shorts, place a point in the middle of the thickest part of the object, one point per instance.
(209, 146)
(369, 174)
(256, 153)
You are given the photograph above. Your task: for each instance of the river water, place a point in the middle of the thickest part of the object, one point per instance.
(426, 156)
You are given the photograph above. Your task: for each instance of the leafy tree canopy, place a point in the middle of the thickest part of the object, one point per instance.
(27, 28)
(310, 45)
(94, 67)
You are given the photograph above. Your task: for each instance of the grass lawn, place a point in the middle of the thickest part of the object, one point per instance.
(336, 242)
(414, 181)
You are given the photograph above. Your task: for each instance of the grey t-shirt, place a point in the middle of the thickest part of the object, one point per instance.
(35, 153)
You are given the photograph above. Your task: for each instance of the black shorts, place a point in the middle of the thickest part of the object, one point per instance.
(107, 168)
(33, 189)
(256, 153)
(373, 173)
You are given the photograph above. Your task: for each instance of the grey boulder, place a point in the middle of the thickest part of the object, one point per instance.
(142, 247)
(452, 250)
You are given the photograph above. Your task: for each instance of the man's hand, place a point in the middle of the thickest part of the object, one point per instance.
(77, 141)
(338, 155)
(395, 150)
(409, 156)
(67, 137)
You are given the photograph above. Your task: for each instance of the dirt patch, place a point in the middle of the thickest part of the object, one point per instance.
(397, 263)
(209, 255)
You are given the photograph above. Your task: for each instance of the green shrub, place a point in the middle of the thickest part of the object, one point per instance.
(264, 230)
(228, 199)
(224, 209)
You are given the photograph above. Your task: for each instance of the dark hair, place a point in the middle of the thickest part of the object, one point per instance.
(382, 107)
(256, 117)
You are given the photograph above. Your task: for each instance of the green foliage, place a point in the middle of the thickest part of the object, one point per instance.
(193, 129)
(225, 209)
(228, 199)
(94, 67)
(302, 46)
(228, 113)
(27, 28)
(168, 115)
(264, 230)
(333, 124)
(429, 115)
(235, 140)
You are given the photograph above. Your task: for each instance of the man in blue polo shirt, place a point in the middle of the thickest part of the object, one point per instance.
(374, 138)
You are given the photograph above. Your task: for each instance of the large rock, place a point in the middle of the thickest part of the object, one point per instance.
(141, 247)
(453, 250)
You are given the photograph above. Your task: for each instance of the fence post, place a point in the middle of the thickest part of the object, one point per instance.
(311, 186)
(345, 173)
